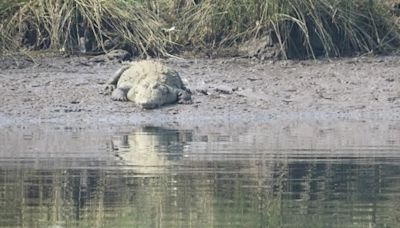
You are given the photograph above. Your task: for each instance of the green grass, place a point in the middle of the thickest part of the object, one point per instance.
(299, 28)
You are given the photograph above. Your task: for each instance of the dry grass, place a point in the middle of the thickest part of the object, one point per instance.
(301, 28)
(58, 25)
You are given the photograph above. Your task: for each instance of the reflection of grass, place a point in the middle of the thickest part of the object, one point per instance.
(294, 195)
(300, 28)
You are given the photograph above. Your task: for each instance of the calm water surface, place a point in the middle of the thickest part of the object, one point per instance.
(282, 175)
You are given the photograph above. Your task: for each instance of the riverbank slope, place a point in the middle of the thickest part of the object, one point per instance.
(229, 90)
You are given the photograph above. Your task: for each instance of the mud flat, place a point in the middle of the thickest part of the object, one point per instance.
(231, 90)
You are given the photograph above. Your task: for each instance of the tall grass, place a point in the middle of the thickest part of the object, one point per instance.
(299, 28)
(336, 27)
(58, 25)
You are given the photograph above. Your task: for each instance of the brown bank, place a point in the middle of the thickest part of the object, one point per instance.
(69, 90)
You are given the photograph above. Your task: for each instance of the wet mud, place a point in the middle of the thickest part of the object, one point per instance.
(229, 90)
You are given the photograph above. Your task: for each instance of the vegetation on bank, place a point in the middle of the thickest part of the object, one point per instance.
(296, 28)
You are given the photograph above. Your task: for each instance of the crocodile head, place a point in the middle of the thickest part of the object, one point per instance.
(154, 95)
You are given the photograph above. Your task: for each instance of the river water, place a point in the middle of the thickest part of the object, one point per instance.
(296, 174)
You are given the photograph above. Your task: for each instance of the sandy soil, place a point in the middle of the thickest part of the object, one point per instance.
(68, 90)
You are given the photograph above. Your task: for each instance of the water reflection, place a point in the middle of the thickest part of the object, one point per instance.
(151, 149)
(159, 177)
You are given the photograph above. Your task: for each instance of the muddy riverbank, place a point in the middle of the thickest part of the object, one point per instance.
(69, 91)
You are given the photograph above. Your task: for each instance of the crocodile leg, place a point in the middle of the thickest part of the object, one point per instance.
(184, 96)
(120, 93)
(111, 84)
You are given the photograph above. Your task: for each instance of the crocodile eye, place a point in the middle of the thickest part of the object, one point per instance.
(163, 89)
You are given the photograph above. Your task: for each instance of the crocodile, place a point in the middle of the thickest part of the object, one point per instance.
(149, 84)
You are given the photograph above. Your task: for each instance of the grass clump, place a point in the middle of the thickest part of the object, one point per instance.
(7, 43)
(300, 28)
(60, 25)
(297, 28)
(334, 28)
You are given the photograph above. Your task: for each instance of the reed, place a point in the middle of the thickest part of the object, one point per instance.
(299, 28)
(59, 25)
